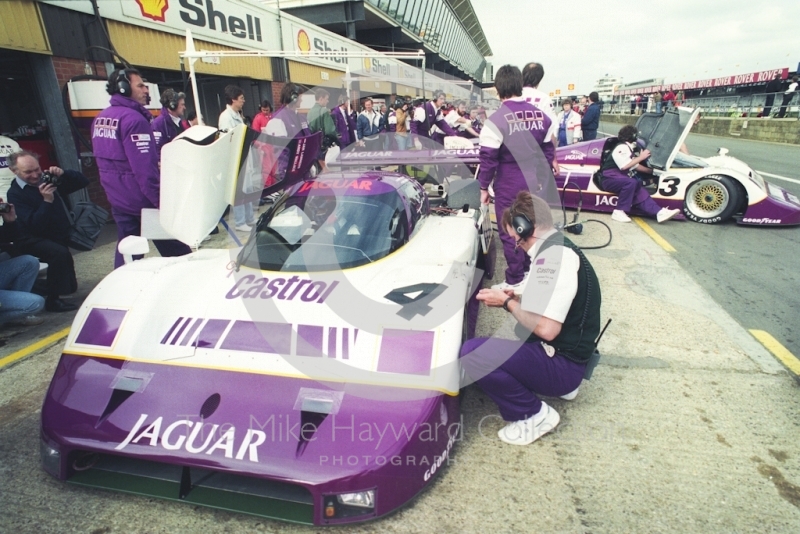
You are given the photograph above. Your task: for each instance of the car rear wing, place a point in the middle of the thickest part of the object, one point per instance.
(443, 156)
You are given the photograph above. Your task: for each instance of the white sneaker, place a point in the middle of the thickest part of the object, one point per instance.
(243, 228)
(666, 214)
(620, 216)
(529, 430)
(571, 395)
(518, 288)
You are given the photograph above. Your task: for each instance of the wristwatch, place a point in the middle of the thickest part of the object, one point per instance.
(505, 304)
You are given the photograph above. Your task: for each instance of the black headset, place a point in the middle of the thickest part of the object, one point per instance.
(170, 99)
(124, 83)
(522, 225)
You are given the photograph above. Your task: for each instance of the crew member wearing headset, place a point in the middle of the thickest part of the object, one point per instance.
(286, 122)
(169, 124)
(428, 115)
(127, 158)
(558, 322)
(618, 176)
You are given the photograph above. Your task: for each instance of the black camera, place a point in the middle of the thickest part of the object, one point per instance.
(50, 178)
(5, 207)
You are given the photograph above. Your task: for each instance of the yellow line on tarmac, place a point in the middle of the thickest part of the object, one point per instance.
(654, 235)
(49, 340)
(780, 352)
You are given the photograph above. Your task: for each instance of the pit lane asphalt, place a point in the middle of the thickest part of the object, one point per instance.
(752, 272)
(688, 425)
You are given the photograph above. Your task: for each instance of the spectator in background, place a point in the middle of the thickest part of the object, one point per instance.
(401, 121)
(679, 98)
(169, 124)
(262, 117)
(45, 224)
(190, 120)
(633, 104)
(369, 127)
(657, 97)
(474, 118)
(17, 275)
(773, 87)
(244, 214)
(787, 97)
(669, 99)
(320, 120)
(345, 125)
(126, 156)
(569, 124)
(591, 118)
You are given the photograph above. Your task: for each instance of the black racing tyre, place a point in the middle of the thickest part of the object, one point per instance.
(711, 199)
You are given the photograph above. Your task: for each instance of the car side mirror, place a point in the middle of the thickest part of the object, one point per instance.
(133, 245)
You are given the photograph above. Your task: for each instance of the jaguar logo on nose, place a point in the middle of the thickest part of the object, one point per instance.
(154, 9)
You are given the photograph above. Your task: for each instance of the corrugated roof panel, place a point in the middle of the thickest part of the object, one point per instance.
(21, 27)
(148, 48)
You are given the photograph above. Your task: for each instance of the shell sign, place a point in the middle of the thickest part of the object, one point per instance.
(303, 42)
(154, 9)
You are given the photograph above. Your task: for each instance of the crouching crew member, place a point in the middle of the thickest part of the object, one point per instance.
(618, 176)
(125, 150)
(558, 316)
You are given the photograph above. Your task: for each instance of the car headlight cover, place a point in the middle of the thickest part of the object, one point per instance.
(362, 499)
(51, 458)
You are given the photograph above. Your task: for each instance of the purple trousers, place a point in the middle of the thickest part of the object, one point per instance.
(513, 373)
(128, 224)
(517, 259)
(632, 196)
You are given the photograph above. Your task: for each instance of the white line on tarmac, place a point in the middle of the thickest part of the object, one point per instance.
(779, 177)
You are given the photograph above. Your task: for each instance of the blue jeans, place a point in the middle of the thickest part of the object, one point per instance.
(658, 107)
(16, 280)
(243, 214)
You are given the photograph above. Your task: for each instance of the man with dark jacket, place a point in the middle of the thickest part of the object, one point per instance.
(127, 158)
(42, 213)
(320, 120)
(591, 118)
(345, 125)
(17, 275)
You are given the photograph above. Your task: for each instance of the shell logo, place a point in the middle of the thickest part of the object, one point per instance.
(303, 41)
(154, 9)
(367, 64)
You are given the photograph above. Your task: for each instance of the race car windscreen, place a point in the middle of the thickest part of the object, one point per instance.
(324, 231)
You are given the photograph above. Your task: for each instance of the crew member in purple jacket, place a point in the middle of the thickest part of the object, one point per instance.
(169, 124)
(345, 125)
(511, 154)
(125, 150)
(429, 114)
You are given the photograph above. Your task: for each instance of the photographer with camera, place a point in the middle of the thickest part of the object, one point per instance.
(45, 223)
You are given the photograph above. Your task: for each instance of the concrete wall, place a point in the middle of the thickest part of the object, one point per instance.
(772, 130)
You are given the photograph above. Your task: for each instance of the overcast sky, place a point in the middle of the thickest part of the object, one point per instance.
(678, 40)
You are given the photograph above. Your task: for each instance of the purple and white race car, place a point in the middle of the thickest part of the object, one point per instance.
(310, 376)
(708, 190)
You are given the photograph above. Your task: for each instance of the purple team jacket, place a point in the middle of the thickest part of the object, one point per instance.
(345, 126)
(125, 150)
(521, 129)
(165, 130)
(432, 116)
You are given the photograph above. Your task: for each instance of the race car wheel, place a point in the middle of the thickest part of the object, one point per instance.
(710, 200)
